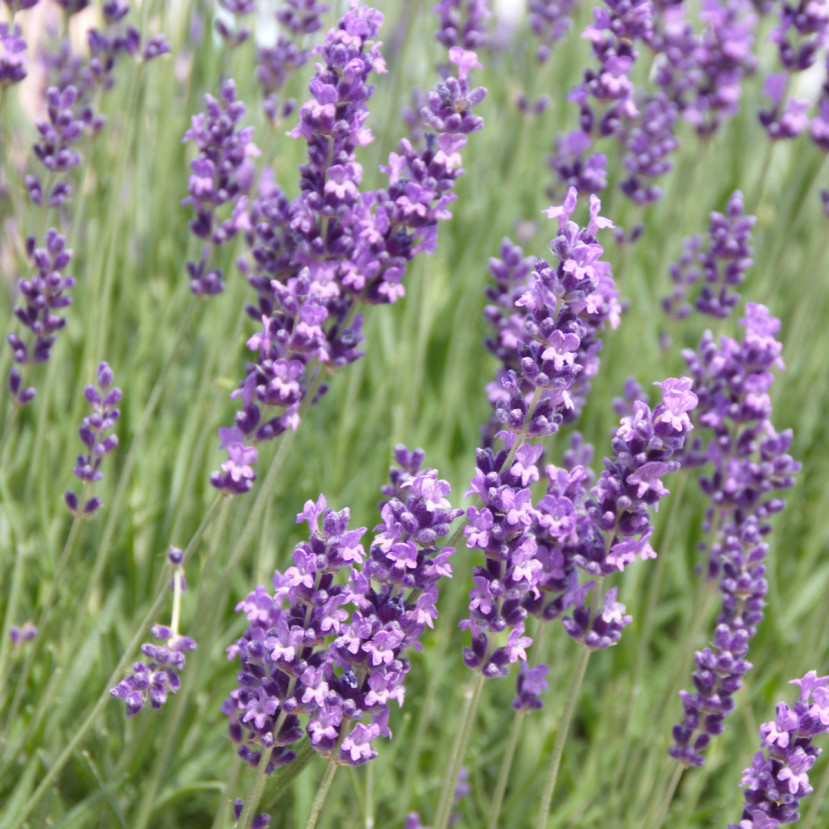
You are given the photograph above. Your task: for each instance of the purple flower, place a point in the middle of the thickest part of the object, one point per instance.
(20, 635)
(93, 435)
(462, 23)
(718, 269)
(750, 465)
(326, 647)
(222, 174)
(550, 20)
(40, 296)
(12, 55)
(778, 777)
(547, 325)
(784, 119)
(316, 257)
(529, 687)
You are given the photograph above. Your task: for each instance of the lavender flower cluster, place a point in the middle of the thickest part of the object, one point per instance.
(324, 653)
(93, 434)
(533, 551)
(547, 321)
(40, 297)
(317, 257)
(778, 777)
(715, 272)
(751, 465)
(222, 173)
(151, 682)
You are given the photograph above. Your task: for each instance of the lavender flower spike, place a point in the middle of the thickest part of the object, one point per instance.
(222, 174)
(93, 435)
(151, 682)
(41, 295)
(778, 778)
(12, 55)
(323, 653)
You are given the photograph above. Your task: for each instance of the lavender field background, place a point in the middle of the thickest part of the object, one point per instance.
(93, 587)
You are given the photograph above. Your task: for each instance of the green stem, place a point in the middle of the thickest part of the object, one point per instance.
(255, 791)
(503, 772)
(473, 697)
(561, 738)
(327, 779)
(140, 633)
(667, 797)
(230, 784)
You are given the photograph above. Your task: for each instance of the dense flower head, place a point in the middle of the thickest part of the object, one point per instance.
(574, 164)
(751, 467)
(323, 653)
(778, 778)
(547, 322)
(60, 132)
(598, 528)
(717, 269)
(702, 72)
(153, 681)
(750, 459)
(221, 174)
(648, 145)
(550, 20)
(103, 399)
(41, 296)
(12, 55)
(317, 257)
(462, 23)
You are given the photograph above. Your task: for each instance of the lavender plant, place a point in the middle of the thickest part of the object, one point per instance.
(325, 655)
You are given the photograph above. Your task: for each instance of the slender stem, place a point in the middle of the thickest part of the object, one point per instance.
(503, 772)
(140, 633)
(230, 784)
(458, 751)
(561, 738)
(255, 791)
(667, 797)
(322, 793)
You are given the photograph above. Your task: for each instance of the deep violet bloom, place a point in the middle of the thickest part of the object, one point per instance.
(221, 174)
(751, 466)
(550, 20)
(702, 71)
(317, 257)
(323, 654)
(154, 680)
(547, 320)
(93, 434)
(778, 778)
(462, 23)
(12, 55)
(534, 551)
(41, 296)
(706, 277)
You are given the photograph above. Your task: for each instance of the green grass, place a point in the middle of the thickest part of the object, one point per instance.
(422, 383)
